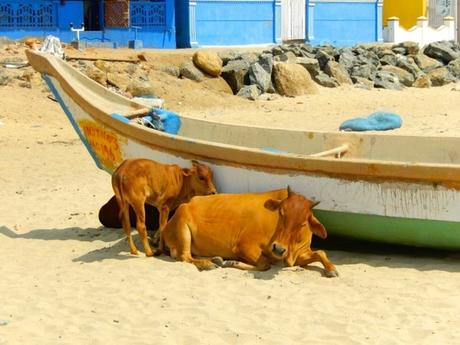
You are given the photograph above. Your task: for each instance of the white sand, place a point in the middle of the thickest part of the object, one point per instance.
(66, 280)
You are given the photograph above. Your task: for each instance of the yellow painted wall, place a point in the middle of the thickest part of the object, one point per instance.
(406, 10)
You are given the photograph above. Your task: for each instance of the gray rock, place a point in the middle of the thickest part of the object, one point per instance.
(259, 76)
(323, 58)
(363, 83)
(251, 92)
(425, 63)
(189, 71)
(406, 48)
(295, 49)
(338, 72)
(171, 70)
(288, 56)
(408, 64)
(347, 59)
(235, 74)
(277, 50)
(364, 71)
(454, 68)
(324, 80)
(266, 61)
(442, 51)
(4, 78)
(307, 48)
(312, 65)
(248, 58)
(227, 56)
(387, 57)
(387, 80)
(364, 57)
(440, 76)
(406, 78)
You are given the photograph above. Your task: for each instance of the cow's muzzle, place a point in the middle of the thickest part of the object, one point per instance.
(278, 250)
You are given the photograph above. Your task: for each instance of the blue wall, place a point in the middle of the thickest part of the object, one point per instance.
(344, 22)
(227, 22)
(162, 36)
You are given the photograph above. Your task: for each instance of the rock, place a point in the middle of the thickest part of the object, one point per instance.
(248, 58)
(324, 80)
(323, 58)
(227, 56)
(218, 84)
(140, 88)
(387, 80)
(171, 70)
(363, 83)
(293, 80)
(286, 57)
(277, 50)
(235, 74)
(423, 81)
(259, 76)
(120, 81)
(387, 57)
(293, 48)
(406, 78)
(4, 79)
(442, 51)
(347, 59)
(454, 68)
(399, 50)
(364, 71)
(208, 61)
(338, 72)
(189, 71)
(251, 92)
(440, 76)
(312, 65)
(266, 61)
(425, 63)
(408, 48)
(365, 57)
(408, 64)
(102, 65)
(97, 75)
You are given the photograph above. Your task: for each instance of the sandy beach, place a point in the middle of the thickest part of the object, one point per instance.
(64, 279)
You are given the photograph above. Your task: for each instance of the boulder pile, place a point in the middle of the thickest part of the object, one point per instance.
(295, 69)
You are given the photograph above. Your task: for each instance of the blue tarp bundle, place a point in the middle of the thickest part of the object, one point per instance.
(379, 121)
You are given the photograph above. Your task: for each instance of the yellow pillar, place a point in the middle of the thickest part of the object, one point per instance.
(406, 10)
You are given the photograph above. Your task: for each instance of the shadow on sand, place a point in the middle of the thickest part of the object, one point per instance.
(341, 251)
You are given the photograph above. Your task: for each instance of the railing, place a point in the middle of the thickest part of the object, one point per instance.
(28, 14)
(148, 13)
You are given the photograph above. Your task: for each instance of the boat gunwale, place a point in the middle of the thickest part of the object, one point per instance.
(351, 168)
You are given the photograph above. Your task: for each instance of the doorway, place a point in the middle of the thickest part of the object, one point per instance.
(92, 15)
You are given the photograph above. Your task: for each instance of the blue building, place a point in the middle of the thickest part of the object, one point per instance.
(105, 20)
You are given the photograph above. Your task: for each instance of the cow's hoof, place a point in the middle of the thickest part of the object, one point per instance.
(331, 274)
(157, 252)
(217, 260)
(209, 267)
(229, 263)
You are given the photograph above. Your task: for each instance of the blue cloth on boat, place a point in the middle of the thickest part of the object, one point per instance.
(379, 121)
(170, 121)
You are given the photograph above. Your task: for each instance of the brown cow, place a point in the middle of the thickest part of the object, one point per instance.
(248, 231)
(139, 181)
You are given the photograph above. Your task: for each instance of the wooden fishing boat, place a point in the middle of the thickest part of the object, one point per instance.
(390, 188)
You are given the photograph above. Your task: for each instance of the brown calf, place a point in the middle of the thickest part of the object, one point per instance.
(247, 231)
(139, 181)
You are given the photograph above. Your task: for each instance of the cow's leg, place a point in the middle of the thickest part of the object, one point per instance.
(317, 256)
(251, 256)
(183, 243)
(164, 213)
(124, 215)
(139, 209)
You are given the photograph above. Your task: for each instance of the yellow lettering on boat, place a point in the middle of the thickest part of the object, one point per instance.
(104, 143)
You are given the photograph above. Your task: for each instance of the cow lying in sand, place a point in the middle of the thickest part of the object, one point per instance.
(247, 231)
(139, 181)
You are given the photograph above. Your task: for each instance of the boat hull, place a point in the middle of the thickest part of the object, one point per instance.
(416, 214)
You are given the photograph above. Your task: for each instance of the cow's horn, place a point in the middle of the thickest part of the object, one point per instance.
(315, 203)
(289, 190)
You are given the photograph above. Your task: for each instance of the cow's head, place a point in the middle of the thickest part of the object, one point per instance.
(295, 226)
(199, 179)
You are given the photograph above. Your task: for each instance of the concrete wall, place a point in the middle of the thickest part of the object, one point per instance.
(228, 22)
(344, 22)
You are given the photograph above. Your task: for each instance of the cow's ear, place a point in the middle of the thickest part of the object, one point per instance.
(272, 205)
(317, 228)
(195, 162)
(186, 172)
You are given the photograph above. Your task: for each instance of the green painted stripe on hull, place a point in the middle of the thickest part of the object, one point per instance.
(405, 231)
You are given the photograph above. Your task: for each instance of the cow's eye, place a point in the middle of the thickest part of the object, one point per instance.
(202, 178)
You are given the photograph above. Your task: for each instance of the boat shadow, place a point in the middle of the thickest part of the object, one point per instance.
(346, 251)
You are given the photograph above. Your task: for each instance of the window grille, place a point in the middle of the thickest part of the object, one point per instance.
(28, 14)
